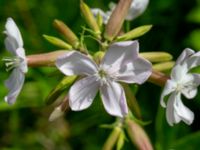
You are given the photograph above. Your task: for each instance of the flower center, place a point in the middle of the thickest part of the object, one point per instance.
(12, 62)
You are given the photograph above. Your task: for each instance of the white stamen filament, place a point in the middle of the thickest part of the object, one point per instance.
(12, 62)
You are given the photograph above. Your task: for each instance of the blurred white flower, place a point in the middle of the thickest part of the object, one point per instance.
(17, 63)
(181, 82)
(120, 63)
(136, 9)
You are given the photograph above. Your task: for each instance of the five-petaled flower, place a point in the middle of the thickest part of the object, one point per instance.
(18, 63)
(136, 9)
(181, 82)
(120, 64)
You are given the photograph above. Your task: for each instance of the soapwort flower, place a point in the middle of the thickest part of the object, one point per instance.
(120, 64)
(181, 82)
(136, 9)
(17, 63)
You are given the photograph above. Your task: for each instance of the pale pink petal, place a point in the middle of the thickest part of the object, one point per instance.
(13, 31)
(190, 83)
(137, 71)
(11, 45)
(184, 56)
(179, 72)
(193, 61)
(122, 62)
(171, 115)
(83, 92)
(23, 62)
(169, 88)
(75, 63)
(183, 112)
(120, 53)
(105, 15)
(136, 9)
(14, 83)
(114, 99)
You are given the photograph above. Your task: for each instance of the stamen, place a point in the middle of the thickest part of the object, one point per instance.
(12, 62)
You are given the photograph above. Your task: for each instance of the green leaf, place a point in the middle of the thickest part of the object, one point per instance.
(189, 142)
(135, 33)
(165, 134)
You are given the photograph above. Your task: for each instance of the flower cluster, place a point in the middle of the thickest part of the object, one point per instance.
(110, 70)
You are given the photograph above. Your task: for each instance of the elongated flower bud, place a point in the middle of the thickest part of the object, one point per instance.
(66, 32)
(112, 139)
(158, 78)
(90, 19)
(163, 66)
(138, 135)
(135, 33)
(116, 19)
(57, 42)
(59, 110)
(156, 56)
(45, 59)
(65, 83)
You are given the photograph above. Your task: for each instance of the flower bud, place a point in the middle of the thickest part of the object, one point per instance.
(158, 78)
(66, 32)
(98, 56)
(164, 66)
(45, 59)
(65, 83)
(112, 139)
(120, 141)
(132, 101)
(135, 33)
(138, 135)
(90, 19)
(116, 20)
(57, 42)
(100, 20)
(59, 110)
(156, 56)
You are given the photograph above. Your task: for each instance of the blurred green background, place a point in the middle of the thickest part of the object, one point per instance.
(25, 125)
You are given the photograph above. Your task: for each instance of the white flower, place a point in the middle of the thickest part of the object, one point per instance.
(136, 9)
(120, 63)
(181, 82)
(18, 63)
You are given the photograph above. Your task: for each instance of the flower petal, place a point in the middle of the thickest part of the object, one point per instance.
(14, 83)
(171, 115)
(193, 61)
(105, 15)
(23, 64)
(190, 84)
(122, 62)
(137, 71)
(169, 88)
(179, 72)
(11, 45)
(184, 55)
(114, 99)
(183, 112)
(120, 53)
(13, 31)
(136, 9)
(75, 63)
(83, 92)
